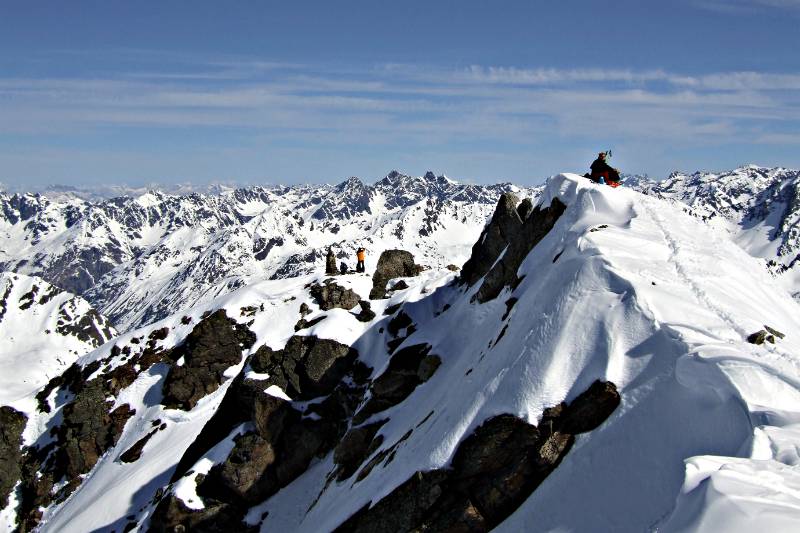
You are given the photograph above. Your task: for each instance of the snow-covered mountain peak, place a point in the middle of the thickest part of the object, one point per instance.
(42, 331)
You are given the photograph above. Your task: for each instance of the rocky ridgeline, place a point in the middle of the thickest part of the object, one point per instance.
(314, 397)
(515, 228)
(493, 471)
(12, 424)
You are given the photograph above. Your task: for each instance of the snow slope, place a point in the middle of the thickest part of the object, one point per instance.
(758, 207)
(43, 330)
(625, 288)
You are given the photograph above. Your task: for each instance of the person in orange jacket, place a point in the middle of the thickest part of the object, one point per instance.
(360, 257)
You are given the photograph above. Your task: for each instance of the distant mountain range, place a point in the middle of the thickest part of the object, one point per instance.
(602, 360)
(139, 258)
(144, 255)
(758, 207)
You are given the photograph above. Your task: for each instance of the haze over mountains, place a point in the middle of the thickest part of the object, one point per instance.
(605, 359)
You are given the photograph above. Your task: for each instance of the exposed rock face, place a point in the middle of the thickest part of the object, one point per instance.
(331, 295)
(285, 440)
(213, 346)
(366, 314)
(89, 429)
(306, 366)
(493, 471)
(356, 446)
(391, 264)
(330, 263)
(515, 230)
(408, 368)
(12, 424)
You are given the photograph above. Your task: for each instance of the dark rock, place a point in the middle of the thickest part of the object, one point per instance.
(172, 516)
(366, 314)
(493, 471)
(759, 337)
(510, 303)
(213, 346)
(774, 332)
(392, 309)
(12, 424)
(503, 461)
(524, 208)
(354, 448)
(133, 453)
(391, 264)
(591, 408)
(508, 232)
(159, 334)
(307, 367)
(404, 509)
(88, 429)
(241, 477)
(394, 344)
(305, 324)
(330, 263)
(452, 268)
(399, 322)
(407, 369)
(494, 239)
(331, 295)
(400, 285)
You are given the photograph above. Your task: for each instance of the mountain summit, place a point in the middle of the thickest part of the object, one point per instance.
(604, 362)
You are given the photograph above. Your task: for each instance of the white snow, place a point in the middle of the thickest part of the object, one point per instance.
(641, 294)
(32, 347)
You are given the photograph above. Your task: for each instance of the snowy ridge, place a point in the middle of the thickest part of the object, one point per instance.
(43, 330)
(624, 288)
(140, 258)
(759, 207)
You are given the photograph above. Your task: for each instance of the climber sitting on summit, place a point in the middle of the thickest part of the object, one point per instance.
(602, 172)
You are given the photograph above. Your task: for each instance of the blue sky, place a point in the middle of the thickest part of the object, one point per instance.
(288, 92)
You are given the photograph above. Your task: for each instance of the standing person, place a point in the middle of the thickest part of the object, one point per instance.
(360, 257)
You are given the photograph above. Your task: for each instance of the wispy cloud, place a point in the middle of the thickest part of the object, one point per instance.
(406, 108)
(744, 7)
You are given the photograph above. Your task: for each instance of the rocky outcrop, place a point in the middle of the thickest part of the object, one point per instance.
(90, 428)
(356, 446)
(513, 232)
(767, 334)
(392, 264)
(306, 367)
(213, 346)
(330, 263)
(286, 437)
(493, 471)
(408, 368)
(366, 314)
(330, 295)
(12, 424)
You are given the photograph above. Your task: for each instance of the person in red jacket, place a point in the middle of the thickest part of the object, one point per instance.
(360, 257)
(602, 172)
